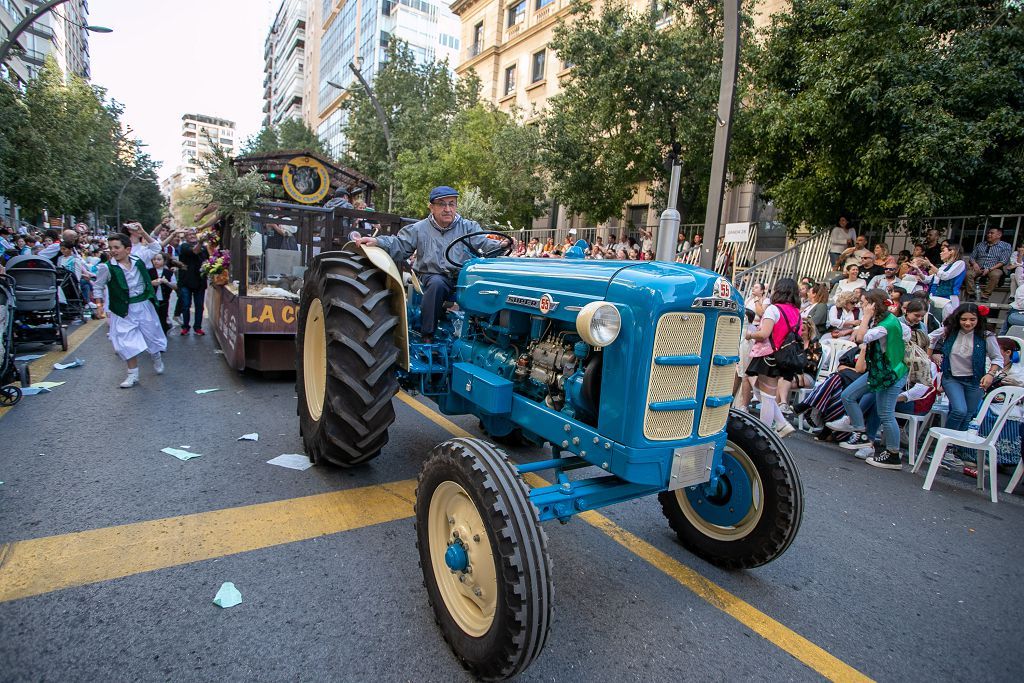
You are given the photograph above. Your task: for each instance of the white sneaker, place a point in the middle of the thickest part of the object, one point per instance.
(176, 320)
(841, 425)
(158, 365)
(865, 453)
(786, 410)
(129, 382)
(785, 430)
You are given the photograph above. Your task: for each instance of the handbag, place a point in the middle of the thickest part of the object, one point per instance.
(791, 357)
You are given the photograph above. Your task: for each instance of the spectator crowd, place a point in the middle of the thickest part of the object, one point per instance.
(888, 336)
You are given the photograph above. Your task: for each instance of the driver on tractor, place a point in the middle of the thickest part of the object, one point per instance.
(429, 238)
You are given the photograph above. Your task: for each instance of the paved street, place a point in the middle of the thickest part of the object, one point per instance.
(884, 580)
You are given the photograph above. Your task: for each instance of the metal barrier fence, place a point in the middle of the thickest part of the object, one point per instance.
(808, 258)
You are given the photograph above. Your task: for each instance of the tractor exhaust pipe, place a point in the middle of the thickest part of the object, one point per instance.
(668, 224)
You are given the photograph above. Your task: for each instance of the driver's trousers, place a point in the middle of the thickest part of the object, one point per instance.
(436, 290)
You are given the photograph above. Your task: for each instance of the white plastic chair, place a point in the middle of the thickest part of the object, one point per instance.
(983, 445)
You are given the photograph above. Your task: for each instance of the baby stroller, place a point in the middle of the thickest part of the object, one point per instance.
(37, 313)
(73, 304)
(9, 394)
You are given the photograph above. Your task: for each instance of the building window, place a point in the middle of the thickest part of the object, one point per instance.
(538, 67)
(516, 13)
(478, 40)
(542, 3)
(510, 79)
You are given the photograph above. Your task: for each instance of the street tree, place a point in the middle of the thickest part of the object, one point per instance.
(289, 134)
(419, 102)
(885, 108)
(60, 141)
(485, 149)
(640, 80)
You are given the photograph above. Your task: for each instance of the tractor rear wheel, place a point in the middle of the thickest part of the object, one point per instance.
(753, 515)
(346, 356)
(484, 558)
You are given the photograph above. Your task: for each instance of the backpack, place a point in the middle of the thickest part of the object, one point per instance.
(915, 357)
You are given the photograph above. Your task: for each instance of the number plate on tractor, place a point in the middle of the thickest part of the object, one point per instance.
(691, 465)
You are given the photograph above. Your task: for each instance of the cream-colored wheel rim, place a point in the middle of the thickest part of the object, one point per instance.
(314, 359)
(471, 597)
(748, 522)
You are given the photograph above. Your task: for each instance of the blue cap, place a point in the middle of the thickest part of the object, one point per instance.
(443, 191)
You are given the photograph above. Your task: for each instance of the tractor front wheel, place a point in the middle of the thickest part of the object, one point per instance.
(484, 558)
(752, 515)
(346, 356)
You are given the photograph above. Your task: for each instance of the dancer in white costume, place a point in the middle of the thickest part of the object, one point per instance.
(134, 325)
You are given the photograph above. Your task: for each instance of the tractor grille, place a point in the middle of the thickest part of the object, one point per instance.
(680, 335)
(720, 379)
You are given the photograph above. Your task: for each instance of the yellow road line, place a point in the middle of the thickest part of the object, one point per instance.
(781, 636)
(43, 565)
(40, 368)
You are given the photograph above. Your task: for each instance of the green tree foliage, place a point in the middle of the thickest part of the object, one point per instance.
(419, 101)
(136, 174)
(639, 81)
(59, 141)
(884, 108)
(485, 149)
(289, 134)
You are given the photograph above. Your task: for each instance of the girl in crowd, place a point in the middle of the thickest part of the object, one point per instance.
(960, 348)
(817, 312)
(549, 246)
(778, 319)
(883, 340)
(947, 279)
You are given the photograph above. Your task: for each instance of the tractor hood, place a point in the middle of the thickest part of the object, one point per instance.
(558, 288)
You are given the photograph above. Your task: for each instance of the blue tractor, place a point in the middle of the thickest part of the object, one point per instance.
(625, 368)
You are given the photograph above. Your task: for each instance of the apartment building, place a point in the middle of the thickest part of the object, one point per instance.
(343, 32)
(506, 42)
(198, 133)
(59, 33)
(285, 56)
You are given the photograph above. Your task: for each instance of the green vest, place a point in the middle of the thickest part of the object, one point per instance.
(117, 288)
(893, 354)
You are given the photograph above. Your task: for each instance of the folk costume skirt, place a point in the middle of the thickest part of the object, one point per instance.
(138, 332)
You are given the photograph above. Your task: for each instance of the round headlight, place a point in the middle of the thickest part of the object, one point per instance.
(599, 323)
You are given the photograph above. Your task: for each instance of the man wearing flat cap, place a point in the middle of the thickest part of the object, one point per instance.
(429, 238)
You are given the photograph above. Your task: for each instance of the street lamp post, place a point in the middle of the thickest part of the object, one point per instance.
(133, 176)
(12, 38)
(379, 111)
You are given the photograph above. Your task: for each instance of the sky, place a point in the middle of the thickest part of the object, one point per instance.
(167, 58)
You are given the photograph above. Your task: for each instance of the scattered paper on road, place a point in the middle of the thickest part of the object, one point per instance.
(30, 356)
(45, 385)
(249, 437)
(293, 461)
(206, 391)
(227, 596)
(218, 351)
(32, 391)
(76, 363)
(180, 454)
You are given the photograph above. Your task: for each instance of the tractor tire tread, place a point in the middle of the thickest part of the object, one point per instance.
(361, 358)
(517, 539)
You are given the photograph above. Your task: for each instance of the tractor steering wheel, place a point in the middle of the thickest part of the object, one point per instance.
(503, 249)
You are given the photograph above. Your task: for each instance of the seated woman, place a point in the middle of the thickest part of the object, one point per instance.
(843, 317)
(824, 403)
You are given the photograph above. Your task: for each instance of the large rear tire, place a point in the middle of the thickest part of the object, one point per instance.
(754, 516)
(346, 356)
(484, 558)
